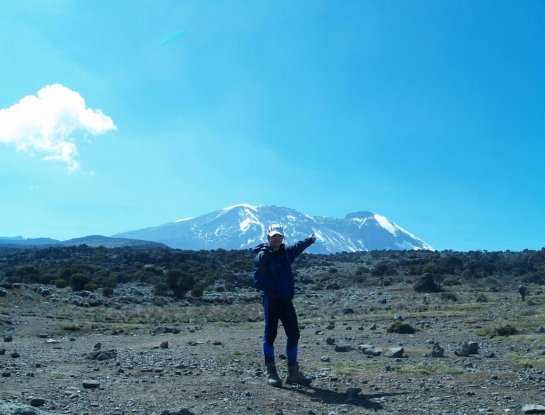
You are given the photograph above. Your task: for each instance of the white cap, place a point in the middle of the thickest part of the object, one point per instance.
(275, 230)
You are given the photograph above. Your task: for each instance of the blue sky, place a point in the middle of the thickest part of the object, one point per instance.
(119, 115)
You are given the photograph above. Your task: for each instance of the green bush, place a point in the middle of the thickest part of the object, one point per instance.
(449, 297)
(60, 283)
(197, 291)
(28, 273)
(90, 286)
(78, 281)
(180, 282)
(160, 288)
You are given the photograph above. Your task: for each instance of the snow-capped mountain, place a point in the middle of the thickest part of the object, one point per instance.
(244, 226)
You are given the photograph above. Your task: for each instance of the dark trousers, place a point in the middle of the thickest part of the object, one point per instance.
(275, 310)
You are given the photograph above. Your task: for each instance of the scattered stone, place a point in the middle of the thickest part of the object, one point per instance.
(462, 350)
(183, 411)
(541, 329)
(2, 352)
(166, 330)
(98, 346)
(330, 341)
(370, 350)
(353, 392)
(91, 384)
(37, 402)
(8, 339)
(325, 359)
(395, 352)
(343, 348)
(533, 409)
(347, 310)
(473, 347)
(15, 355)
(164, 345)
(437, 350)
(101, 355)
(3, 292)
(373, 327)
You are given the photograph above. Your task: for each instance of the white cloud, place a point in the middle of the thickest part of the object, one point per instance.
(50, 122)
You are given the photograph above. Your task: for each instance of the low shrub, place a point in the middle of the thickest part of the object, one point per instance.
(506, 330)
(449, 297)
(107, 291)
(401, 328)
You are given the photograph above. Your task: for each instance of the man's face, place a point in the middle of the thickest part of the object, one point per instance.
(275, 241)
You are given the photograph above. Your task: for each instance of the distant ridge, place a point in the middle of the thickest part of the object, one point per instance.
(244, 226)
(92, 241)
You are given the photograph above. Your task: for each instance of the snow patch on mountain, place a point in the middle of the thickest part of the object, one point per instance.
(385, 223)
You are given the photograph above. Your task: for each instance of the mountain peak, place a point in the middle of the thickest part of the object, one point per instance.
(362, 214)
(240, 205)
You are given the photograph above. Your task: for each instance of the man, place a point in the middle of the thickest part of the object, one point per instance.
(273, 278)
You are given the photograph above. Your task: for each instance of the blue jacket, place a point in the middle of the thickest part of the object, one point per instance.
(273, 276)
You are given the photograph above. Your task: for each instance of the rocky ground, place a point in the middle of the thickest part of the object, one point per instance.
(63, 353)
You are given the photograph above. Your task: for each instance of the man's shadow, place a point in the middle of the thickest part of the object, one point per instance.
(336, 398)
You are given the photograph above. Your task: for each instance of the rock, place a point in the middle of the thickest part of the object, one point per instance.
(182, 411)
(8, 339)
(102, 355)
(461, 351)
(352, 392)
(346, 310)
(533, 409)
(395, 352)
(166, 330)
(18, 409)
(541, 329)
(473, 347)
(164, 345)
(343, 348)
(91, 384)
(15, 355)
(2, 352)
(37, 402)
(373, 327)
(3, 292)
(98, 346)
(370, 350)
(437, 350)
(330, 341)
